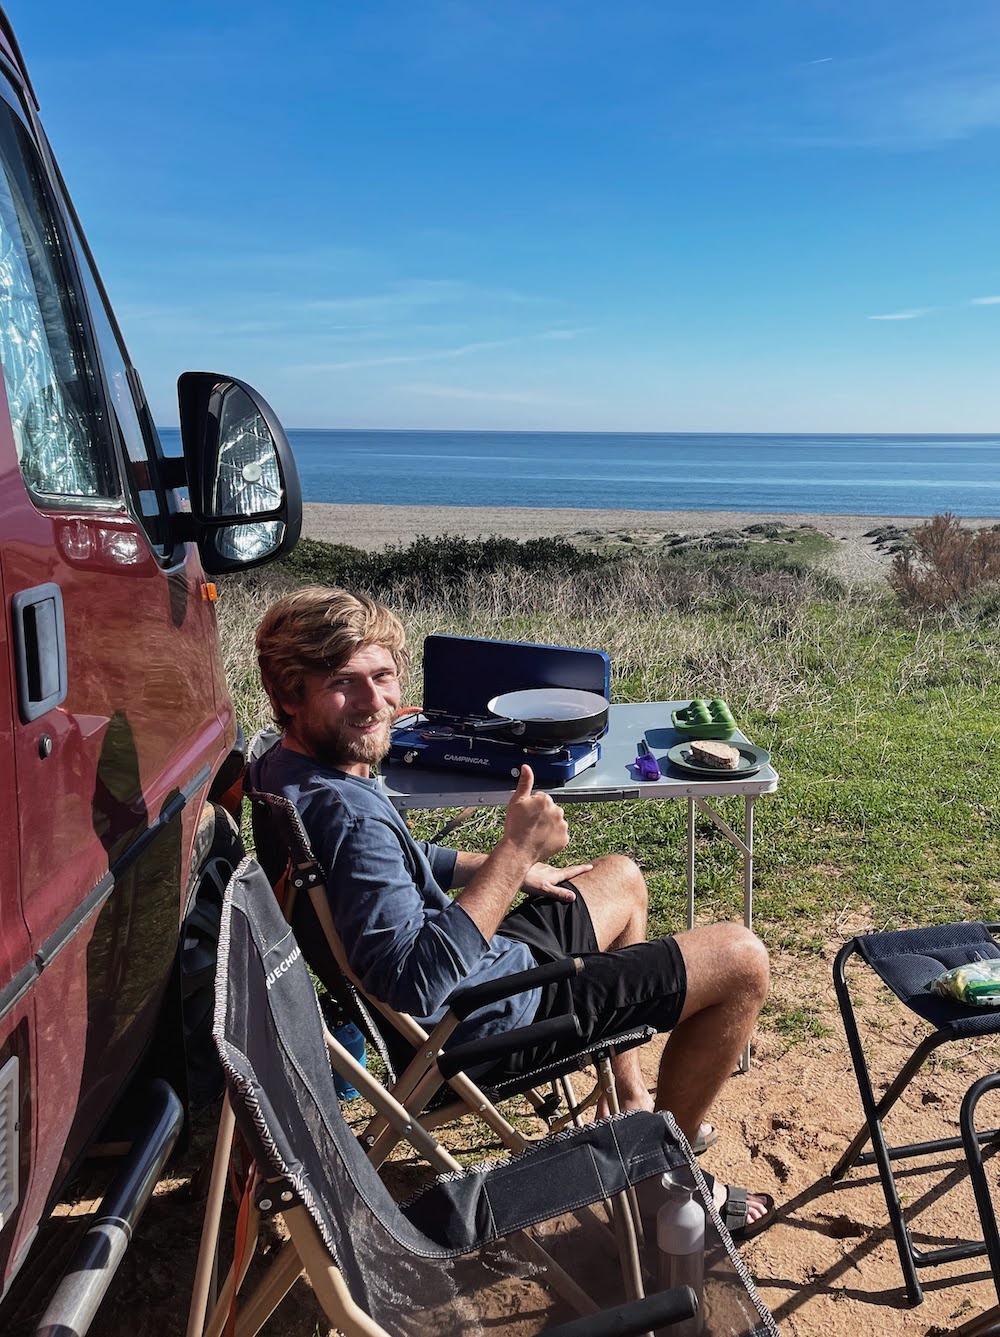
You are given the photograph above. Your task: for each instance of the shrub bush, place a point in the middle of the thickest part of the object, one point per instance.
(437, 565)
(946, 565)
(554, 575)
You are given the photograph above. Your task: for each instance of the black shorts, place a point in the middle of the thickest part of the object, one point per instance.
(642, 985)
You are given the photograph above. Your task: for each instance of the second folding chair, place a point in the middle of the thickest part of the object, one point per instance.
(906, 961)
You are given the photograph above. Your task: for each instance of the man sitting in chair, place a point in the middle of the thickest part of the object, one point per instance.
(332, 665)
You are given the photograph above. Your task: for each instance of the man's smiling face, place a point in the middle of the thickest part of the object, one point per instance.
(344, 718)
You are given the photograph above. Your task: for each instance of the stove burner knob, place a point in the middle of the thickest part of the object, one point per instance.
(409, 756)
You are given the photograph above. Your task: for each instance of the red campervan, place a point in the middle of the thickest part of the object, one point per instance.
(119, 735)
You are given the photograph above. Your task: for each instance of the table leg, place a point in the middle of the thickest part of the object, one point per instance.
(744, 844)
(748, 803)
(690, 862)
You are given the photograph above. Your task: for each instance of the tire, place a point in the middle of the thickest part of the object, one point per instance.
(218, 850)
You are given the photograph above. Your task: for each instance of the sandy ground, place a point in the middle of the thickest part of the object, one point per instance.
(859, 559)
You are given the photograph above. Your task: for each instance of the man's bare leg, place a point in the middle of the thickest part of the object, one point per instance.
(727, 978)
(615, 892)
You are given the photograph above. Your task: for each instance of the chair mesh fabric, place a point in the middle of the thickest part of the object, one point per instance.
(615, 1044)
(424, 1268)
(908, 959)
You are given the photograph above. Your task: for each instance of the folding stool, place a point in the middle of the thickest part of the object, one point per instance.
(906, 961)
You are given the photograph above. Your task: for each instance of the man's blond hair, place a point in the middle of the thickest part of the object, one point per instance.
(318, 629)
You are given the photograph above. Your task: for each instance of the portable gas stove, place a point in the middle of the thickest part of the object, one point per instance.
(461, 675)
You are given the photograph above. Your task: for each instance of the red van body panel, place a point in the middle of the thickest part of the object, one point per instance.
(103, 795)
(139, 727)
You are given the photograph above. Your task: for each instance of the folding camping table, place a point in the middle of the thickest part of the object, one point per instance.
(613, 780)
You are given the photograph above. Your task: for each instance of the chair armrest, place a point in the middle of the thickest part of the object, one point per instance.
(495, 1047)
(652, 1313)
(464, 1002)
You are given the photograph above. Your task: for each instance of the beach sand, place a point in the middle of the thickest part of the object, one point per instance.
(858, 558)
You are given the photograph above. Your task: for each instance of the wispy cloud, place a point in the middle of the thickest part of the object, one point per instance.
(482, 396)
(915, 314)
(410, 294)
(432, 355)
(443, 354)
(914, 86)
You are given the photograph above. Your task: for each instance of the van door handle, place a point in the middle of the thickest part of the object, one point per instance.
(39, 650)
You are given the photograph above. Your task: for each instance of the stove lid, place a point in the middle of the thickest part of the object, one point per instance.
(463, 673)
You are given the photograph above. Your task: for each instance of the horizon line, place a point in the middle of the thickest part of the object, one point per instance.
(620, 431)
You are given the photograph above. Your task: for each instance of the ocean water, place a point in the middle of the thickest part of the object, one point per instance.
(856, 475)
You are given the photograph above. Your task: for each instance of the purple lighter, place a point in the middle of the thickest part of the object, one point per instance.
(646, 763)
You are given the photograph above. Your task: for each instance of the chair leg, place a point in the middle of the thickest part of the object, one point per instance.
(326, 1279)
(986, 1324)
(625, 1208)
(234, 1280)
(574, 1109)
(555, 1278)
(904, 1246)
(379, 1138)
(852, 1156)
(977, 1172)
(208, 1248)
(575, 1114)
(269, 1292)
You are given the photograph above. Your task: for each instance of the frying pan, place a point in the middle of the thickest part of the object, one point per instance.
(549, 715)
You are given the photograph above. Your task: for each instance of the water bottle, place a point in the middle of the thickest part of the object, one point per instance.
(354, 1042)
(680, 1242)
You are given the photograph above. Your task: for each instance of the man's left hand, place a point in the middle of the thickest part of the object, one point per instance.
(543, 880)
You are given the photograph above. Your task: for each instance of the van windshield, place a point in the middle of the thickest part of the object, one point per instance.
(61, 448)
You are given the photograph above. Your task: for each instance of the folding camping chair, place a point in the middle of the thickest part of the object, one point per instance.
(378, 1269)
(430, 1070)
(282, 845)
(906, 961)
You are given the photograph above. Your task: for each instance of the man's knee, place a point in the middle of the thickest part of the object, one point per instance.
(625, 875)
(753, 961)
(724, 963)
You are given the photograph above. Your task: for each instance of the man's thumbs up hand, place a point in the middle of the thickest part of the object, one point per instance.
(533, 822)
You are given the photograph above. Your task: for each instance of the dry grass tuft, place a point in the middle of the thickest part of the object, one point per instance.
(670, 634)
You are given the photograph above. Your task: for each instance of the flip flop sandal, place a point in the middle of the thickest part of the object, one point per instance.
(705, 1140)
(735, 1208)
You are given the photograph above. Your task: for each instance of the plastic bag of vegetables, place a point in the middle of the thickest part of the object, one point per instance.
(977, 984)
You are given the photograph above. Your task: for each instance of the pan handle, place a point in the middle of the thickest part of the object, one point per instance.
(516, 727)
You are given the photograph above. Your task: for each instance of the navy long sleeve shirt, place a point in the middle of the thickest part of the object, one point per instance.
(409, 943)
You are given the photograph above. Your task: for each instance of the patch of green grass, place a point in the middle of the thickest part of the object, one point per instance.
(796, 1024)
(889, 795)
(780, 549)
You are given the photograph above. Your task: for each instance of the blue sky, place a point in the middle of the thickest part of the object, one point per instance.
(752, 215)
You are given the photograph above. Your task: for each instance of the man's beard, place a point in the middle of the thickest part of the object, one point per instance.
(338, 745)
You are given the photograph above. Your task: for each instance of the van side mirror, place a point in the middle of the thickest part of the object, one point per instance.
(246, 501)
